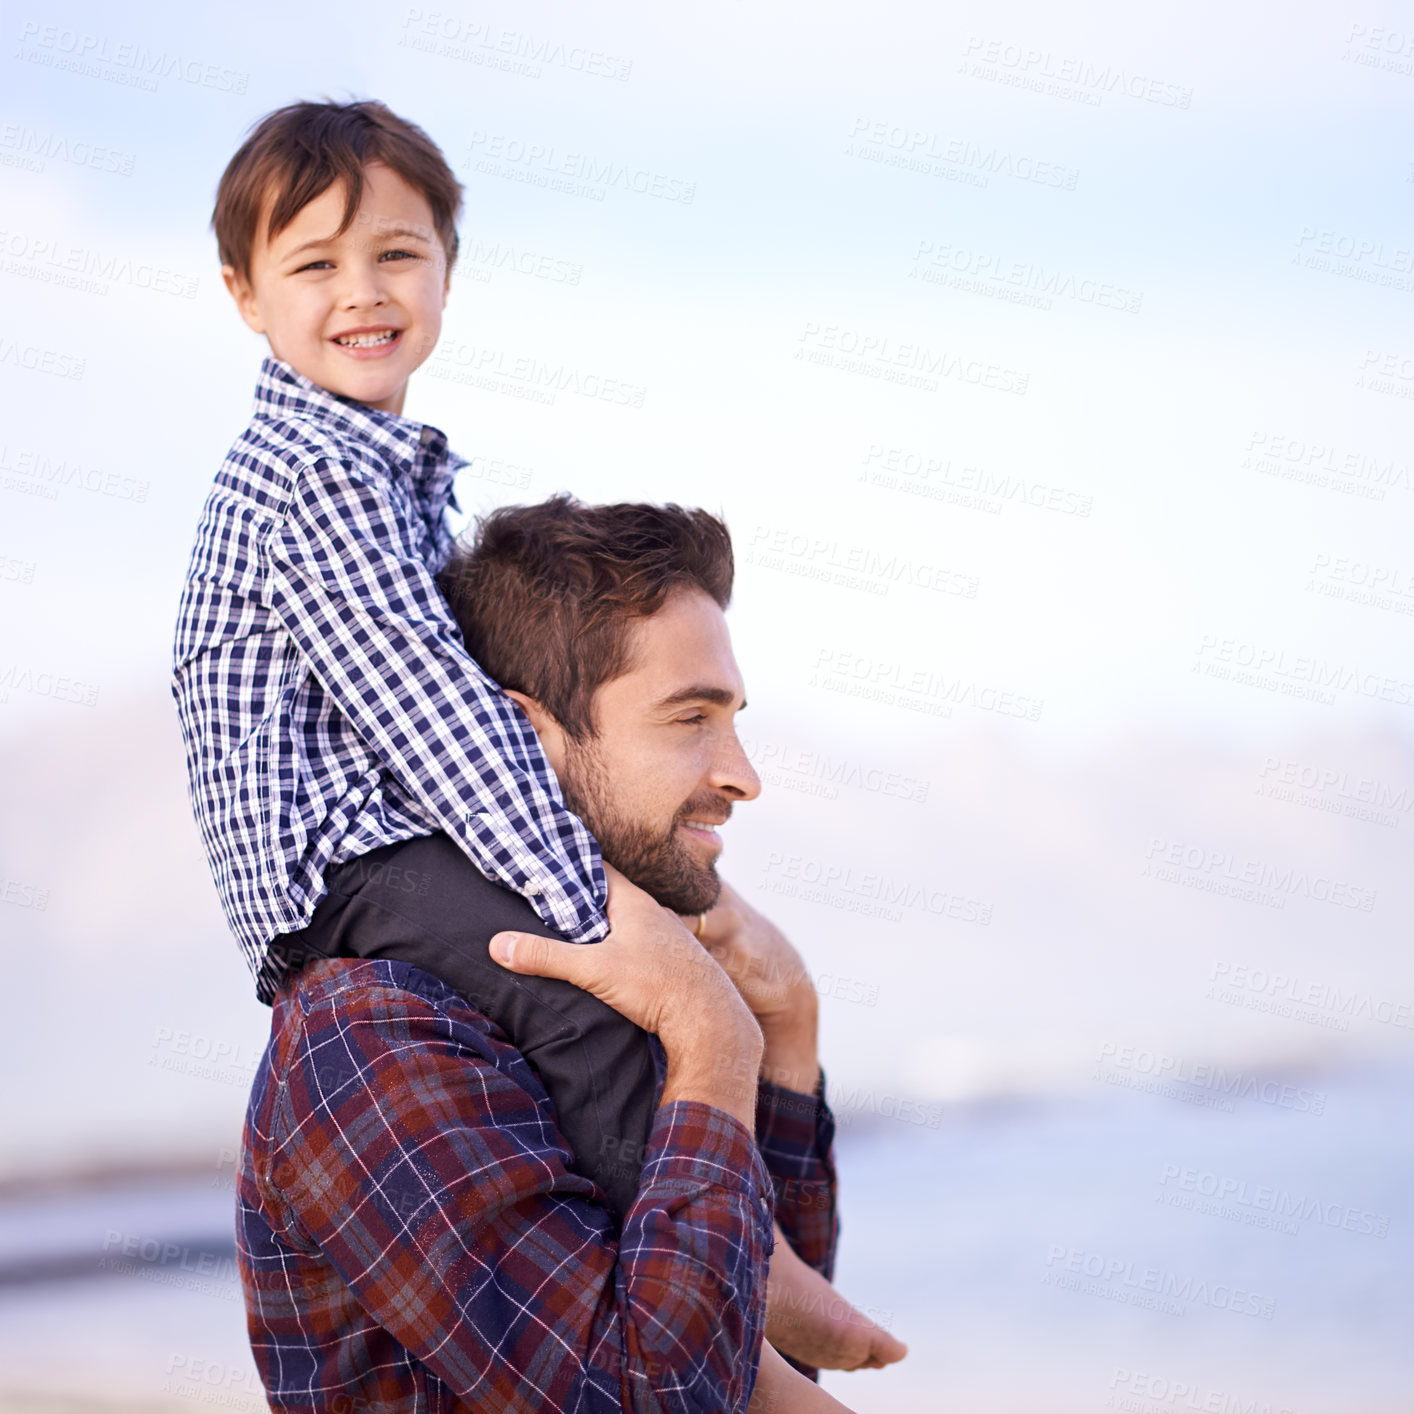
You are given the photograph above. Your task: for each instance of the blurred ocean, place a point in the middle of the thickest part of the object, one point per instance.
(1047, 1256)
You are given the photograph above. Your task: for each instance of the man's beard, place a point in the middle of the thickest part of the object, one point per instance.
(661, 864)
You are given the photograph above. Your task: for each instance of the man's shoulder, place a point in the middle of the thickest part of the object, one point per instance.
(348, 1033)
(362, 1019)
(340, 985)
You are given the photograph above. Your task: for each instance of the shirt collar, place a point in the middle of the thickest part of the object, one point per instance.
(417, 447)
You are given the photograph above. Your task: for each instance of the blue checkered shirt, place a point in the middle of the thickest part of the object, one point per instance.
(326, 700)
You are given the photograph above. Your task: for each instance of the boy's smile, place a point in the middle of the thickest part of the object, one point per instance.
(356, 313)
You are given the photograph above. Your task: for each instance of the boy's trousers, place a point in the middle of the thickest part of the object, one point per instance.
(422, 901)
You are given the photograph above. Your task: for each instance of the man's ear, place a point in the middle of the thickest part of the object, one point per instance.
(239, 288)
(550, 732)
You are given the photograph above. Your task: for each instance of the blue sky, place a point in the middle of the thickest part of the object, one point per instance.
(1200, 210)
(1161, 434)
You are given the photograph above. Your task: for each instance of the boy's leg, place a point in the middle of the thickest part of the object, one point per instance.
(423, 902)
(814, 1327)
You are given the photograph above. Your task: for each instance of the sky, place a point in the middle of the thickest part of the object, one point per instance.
(1052, 370)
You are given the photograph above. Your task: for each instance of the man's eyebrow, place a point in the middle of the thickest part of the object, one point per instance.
(718, 696)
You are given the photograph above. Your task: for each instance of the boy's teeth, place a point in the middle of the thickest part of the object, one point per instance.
(366, 341)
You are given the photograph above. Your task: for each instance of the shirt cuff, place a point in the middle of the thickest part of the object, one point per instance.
(794, 1131)
(693, 1146)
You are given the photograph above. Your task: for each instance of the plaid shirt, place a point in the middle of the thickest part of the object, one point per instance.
(409, 1237)
(327, 703)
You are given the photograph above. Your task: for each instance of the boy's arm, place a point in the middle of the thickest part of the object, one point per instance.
(367, 616)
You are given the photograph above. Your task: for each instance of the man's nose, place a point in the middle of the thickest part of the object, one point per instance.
(733, 772)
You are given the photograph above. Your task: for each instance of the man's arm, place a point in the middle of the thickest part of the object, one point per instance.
(795, 1136)
(369, 619)
(794, 1126)
(426, 1174)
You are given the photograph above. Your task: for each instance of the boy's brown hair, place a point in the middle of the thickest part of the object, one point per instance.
(545, 595)
(298, 152)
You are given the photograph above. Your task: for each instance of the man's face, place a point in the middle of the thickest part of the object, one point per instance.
(666, 767)
(355, 313)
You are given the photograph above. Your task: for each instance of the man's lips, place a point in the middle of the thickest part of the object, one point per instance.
(703, 829)
(367, 341)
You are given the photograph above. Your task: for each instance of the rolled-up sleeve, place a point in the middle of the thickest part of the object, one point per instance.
(795, 1134)
(405, 1151)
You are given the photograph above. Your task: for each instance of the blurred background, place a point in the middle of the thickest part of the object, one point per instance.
(1054, 371)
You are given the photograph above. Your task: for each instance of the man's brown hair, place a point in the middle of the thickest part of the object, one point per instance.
(298, 152)
(545, 595)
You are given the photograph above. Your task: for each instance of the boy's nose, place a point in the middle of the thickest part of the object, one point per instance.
(362, 287)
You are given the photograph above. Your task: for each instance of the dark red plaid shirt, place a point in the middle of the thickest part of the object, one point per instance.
(410, 1237)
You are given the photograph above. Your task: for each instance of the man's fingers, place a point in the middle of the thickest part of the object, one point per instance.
(535, 956)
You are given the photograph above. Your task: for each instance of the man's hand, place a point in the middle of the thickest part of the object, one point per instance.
(773, 981)
(652, 971)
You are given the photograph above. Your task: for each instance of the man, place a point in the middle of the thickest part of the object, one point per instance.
(412, 1233)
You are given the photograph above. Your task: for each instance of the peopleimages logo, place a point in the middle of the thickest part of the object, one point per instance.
(1158, 1069)
(819, 773)
(867, 891)
(954, 158)
(1264, 1199)
(851, 566)
(1065, 76)
(122, 61)
(1154, 1281)
(1171, 857)
(1132, 1391)
(1288, 994)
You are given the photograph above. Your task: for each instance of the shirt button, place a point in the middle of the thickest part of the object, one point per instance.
(531, 889)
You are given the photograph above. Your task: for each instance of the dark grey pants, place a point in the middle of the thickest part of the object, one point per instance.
(424, 902)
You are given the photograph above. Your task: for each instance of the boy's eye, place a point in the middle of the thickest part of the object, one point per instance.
(398, 255)
(314, 265)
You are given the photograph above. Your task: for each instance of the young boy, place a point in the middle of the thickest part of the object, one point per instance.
(329, 709)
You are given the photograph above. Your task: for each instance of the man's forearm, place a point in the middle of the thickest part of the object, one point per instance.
(791, 1055)
(714, 1070)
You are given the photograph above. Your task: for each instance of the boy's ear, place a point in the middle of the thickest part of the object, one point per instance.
(239, 288)
(550, 732)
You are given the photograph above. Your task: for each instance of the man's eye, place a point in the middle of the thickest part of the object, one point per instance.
(690, 721)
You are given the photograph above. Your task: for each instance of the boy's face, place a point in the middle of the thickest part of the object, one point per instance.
(356, 313)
